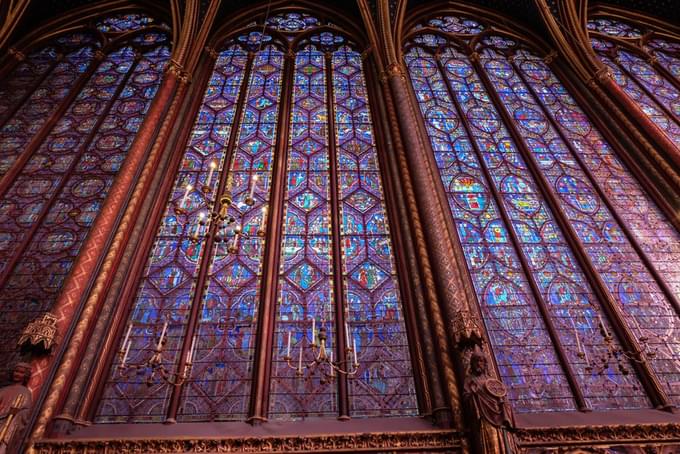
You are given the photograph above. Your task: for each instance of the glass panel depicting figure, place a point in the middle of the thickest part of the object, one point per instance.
(201, 299)
(46, 212)
(510, 199)
(645, 65)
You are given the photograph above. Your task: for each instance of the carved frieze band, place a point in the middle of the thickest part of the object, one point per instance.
(588, 435)
(432, 441)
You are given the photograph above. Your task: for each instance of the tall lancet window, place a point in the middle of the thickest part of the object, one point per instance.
(646, 65)
(68, 115)
(572, 262)
(302, 256)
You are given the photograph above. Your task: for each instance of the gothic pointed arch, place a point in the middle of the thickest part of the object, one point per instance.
(642, 53)
(274, 237)
(566, 251)
(70, 110)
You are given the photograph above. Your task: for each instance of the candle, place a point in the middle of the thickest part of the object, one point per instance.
(332, 369)
(578, 341)
(346, 334)
(300, 360)
(190, 357)
(263, 221)
(127, 335)
(253, 184)
(160, 341)
(604, 329)
(354, 350)
(127, 350)
(213, 166)
(288, 349)
(182, 203)
(234, 244)
(313, 330)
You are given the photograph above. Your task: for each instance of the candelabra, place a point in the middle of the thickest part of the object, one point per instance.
(614, 354)
(155, 361)
(226, 211)
(323, 357)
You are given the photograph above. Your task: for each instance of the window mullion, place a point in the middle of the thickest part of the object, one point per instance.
(338, 281)
(663, 107)
(65, 177)
(531, 279)
(647, 376)
(265, 333)
(8, 178)
(206, 258)
(29, 92)
(668, 293)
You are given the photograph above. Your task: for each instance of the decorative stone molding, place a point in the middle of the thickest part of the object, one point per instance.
(40, 334)
(587, 435)
(432, 441)
(178, 71)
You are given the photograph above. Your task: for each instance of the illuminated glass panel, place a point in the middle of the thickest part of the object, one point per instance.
(384, 383)
(306, 278)
(657, 96)
(49, 207)
(220, 289)
(168, 282)
(575, 164)
(25, 106)
(222, 373)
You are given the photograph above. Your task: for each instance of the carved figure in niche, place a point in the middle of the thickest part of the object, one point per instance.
(484, 397)
(15, 403)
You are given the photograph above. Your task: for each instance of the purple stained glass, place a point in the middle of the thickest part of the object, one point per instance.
(220, 384)
(647, 313)
(384, 383)
(125, 23)
(23, 113)
(46, 213)
(578, 171)
(634, 72)
(511, 315)
(306, 276)
(168, 282)
(292, 22)
(613, 27)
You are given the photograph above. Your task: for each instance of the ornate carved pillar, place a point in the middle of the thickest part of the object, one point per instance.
(457, 318)
(99, 256)
(570, 35)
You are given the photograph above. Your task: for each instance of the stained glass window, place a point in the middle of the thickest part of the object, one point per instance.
(565, 250)
(330, 263)
(645, 65)
(66, 128)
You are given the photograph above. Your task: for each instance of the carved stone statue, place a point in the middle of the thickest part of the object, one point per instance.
(15, 403)
(484, 397)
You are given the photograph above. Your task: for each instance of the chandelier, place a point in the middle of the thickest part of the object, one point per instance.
(323, 361)
(226, 212)
(615, 356)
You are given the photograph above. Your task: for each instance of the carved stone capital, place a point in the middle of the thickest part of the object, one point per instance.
(212, 53)
(552, 55)
(40, 334)
(17, 54)
(600, 76)
(178, 71)
(99, 55)
(466, 331)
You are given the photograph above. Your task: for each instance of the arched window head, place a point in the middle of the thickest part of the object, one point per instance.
(68, 115)
(561, 242)
(645, 63)
(244, 299)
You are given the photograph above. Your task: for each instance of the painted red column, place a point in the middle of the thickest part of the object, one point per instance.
(77, 285)
(643, 120)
